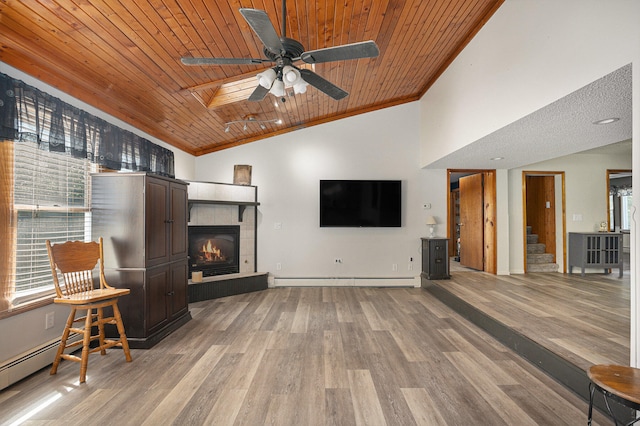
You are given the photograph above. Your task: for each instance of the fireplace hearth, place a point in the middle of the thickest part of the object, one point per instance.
(214, 249)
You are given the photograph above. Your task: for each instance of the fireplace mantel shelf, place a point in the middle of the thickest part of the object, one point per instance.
(241, 205)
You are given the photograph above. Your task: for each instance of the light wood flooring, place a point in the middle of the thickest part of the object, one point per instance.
(307, 356)
(585, 320)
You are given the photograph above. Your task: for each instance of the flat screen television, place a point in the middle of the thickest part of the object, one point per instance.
(360, 203)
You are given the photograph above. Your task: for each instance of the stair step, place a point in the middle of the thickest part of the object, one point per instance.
(532, 238)
(536, 248)
(528, 230)
(539, 258)
(542, 267)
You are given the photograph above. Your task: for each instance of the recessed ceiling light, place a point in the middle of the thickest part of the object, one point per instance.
(607, 120)
(497, 158)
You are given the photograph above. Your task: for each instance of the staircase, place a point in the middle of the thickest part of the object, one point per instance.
(537, 259)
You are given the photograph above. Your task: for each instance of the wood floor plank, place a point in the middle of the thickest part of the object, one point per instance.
(424, 409)
(545, 407)
(179, 395)
(226, 408)
(339, 407)
(485, 385)
(366, 405)
(301, 318)
(243, 374)
(585, 350)
(411, 351)
(389, 392)
(335, 371)
(484, 363)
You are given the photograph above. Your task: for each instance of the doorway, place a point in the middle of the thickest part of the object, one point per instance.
(471, 213)
(544, 220)
(619, 208)
(619, 197)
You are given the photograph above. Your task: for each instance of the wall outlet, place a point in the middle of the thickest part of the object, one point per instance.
(410, 266)
(278, 266)
(49, 319)
(394, 267)
(337, 260)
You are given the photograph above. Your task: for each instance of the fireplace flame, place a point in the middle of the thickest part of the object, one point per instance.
(211, 253)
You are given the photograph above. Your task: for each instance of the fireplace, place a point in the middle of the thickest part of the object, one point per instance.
(214, 250)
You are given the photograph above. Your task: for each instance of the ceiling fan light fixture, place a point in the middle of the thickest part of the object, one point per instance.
(267, 78)
(291, 76)
(300, 87)
(277, 89)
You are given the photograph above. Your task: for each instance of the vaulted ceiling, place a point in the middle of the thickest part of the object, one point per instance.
(123, 57)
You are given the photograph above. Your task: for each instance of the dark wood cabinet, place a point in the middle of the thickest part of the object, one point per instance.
(435, 258)
(167, 298)
(143, 221)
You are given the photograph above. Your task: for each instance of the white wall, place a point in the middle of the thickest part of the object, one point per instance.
(287, 169)
(530, 54)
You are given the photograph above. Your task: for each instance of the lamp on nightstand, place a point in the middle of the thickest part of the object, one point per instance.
(431, 221)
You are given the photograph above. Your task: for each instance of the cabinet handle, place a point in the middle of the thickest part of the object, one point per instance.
(171, 293)
(168, 221)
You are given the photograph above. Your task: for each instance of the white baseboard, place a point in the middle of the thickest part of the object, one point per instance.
(344, 282)
(29, 362)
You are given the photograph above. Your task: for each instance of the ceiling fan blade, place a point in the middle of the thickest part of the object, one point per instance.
(262, 26)
(223, 61)
(258, 94)
(323, 85)
(364, 49)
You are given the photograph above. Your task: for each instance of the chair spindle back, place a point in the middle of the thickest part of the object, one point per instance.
(76, 261)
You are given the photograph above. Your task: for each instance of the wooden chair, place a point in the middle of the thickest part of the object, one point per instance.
(76, 261)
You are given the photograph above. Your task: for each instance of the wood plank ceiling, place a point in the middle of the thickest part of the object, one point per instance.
(123, 57)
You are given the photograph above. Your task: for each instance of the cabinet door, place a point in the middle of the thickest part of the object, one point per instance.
(157, 221)
(611, 249)
(178, 299)
(178, 221)
(157, 289)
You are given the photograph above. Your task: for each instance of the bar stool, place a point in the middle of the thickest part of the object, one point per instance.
(76, 261)
(618, 383)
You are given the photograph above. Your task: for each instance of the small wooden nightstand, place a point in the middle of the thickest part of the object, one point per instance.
(435, 258)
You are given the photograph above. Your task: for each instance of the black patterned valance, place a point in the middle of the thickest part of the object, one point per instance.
(28, 114)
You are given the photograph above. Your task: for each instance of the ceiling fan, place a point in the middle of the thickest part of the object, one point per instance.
(284, 52)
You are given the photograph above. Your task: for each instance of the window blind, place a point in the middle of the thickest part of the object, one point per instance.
(51, 199)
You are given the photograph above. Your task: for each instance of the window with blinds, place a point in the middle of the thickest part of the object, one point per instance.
(51, 199)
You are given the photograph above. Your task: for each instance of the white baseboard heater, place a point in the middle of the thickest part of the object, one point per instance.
(344, 282)
(27, 363)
